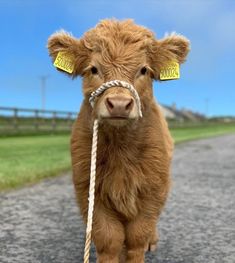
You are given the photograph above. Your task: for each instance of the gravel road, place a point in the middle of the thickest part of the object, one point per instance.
(41, 224)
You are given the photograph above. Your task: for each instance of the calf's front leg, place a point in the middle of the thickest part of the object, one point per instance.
(108, 236)
(139, 234)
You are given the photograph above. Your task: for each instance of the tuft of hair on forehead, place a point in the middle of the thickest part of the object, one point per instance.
(112, 35)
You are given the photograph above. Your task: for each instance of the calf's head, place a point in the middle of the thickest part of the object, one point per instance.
(124, 51)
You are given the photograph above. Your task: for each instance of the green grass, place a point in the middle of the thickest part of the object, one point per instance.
(28, 159)
(182, 134)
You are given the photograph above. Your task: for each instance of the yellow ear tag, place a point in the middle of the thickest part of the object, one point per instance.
(64, 61)
(170, 71)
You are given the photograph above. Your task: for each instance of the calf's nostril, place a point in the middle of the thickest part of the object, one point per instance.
(129, 105)
(109, 103)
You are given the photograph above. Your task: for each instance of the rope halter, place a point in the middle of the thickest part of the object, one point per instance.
(116, 83)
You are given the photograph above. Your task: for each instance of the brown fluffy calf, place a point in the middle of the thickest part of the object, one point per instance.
(134, 154)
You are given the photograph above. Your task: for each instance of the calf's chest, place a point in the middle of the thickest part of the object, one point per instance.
(119, 182)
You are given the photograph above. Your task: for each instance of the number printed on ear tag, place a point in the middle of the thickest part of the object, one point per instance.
(171, 71)
(64, 61)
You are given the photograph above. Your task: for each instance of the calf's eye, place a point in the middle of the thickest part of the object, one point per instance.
(143, 71)
(94, 70)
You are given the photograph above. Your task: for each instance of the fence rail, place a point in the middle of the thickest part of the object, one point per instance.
(20, 120)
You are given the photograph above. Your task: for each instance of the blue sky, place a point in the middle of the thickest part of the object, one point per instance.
(208, 75)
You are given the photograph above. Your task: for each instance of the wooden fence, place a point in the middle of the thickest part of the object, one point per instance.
(18, 120)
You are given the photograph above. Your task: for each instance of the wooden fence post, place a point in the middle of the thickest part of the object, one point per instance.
(69, 119)
(54, 121)
(36, 121)
(15, 119)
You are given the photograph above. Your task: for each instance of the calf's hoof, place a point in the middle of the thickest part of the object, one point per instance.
(152, 247)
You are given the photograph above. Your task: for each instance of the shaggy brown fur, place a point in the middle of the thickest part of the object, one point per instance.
(134, 155)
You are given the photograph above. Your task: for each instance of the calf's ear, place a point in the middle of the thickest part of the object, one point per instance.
(172, 47)
(62, 41)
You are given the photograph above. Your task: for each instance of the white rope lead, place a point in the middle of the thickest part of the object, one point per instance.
(91, 192)
(91, 199)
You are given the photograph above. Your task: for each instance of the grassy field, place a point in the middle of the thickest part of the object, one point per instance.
(29, 159)
(182, 134)
(25, 160)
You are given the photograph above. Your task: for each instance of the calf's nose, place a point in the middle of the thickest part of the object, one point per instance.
(119, 106)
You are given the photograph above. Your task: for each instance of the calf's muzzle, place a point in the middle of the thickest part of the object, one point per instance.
(116, 104)
(119, 106)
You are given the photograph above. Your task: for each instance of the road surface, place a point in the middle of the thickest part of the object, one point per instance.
(41, 223)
